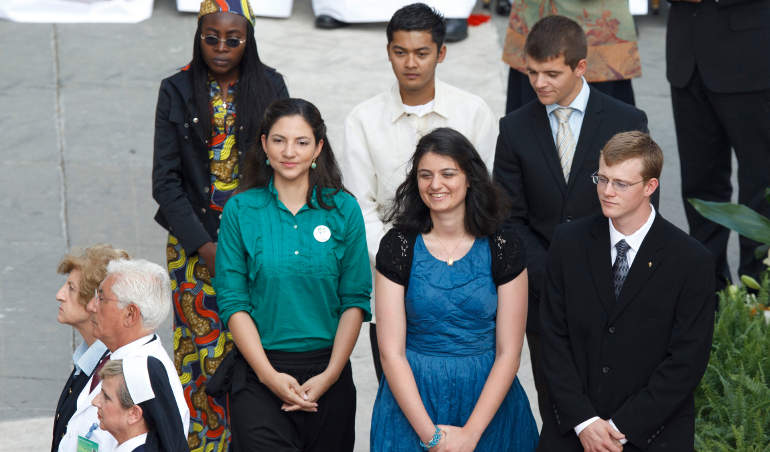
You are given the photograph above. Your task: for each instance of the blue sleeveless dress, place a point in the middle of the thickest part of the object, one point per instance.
(450, 346)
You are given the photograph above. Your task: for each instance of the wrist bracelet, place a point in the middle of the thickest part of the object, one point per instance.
(433, 441)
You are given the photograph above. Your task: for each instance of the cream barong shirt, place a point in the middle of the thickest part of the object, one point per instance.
(381, 136)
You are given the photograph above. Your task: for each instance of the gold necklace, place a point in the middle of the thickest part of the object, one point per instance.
(450, 260)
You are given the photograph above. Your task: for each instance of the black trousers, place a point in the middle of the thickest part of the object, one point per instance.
(708, 125)
(258, 424)
(520, 91)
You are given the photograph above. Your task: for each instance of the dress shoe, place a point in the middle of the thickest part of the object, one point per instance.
(456, 30)
(328, 22)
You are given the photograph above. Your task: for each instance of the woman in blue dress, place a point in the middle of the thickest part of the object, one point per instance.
(451, 308)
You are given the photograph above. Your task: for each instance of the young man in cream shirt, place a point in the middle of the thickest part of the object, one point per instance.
(381, 133)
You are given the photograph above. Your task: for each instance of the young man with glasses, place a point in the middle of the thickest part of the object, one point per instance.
(627, 316)
(548, 149)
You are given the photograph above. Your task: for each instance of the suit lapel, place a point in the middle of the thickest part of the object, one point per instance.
(646, 262)
(547, 147)
(599, 260)
(592, 120)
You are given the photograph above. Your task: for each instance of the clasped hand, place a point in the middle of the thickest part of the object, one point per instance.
(298, 397)
(456, 439)
(600, 436)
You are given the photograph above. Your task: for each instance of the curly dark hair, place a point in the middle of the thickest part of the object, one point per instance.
(486, 205)
(254, 90)
(256, 172)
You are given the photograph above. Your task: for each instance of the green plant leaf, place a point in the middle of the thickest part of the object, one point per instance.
(739, 218)
(767, 194)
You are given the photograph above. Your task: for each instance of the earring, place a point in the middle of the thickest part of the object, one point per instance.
(267, 162)
(313, 165)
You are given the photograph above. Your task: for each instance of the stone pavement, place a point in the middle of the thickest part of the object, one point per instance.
(78, 112)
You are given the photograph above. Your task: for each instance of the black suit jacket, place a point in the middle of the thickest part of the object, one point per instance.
(180, 167)
(728, 41)
(636, 360)
(527, 166)
(67, 404)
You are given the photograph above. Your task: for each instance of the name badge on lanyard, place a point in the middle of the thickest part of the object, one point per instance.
(85, 444)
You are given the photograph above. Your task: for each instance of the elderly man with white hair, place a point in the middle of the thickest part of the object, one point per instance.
(128, 306)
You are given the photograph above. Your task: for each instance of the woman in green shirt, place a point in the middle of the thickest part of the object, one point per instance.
(293, 280)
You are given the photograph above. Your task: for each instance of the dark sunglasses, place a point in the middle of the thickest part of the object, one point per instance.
(229, 42)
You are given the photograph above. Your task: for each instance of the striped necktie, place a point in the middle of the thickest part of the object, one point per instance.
(620, 268)
(565, 142)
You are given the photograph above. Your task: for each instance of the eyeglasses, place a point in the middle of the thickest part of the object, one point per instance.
(618, 185)
(99, 295)
(229, 42)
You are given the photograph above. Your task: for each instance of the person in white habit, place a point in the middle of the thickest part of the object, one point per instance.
(381, 133)
(136, 405)
(128, 306)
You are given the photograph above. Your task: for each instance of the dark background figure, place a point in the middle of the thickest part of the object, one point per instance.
(201, 131)
(613, 54)
(627, 317)
(527, 162)
(718, 64)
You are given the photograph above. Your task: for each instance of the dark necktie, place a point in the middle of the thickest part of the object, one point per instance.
(95, 378)
(620, 268)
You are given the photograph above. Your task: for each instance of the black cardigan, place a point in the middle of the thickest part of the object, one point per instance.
(180, 169)
(394, 256)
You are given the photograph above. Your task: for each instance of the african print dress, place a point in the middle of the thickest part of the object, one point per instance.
(200, 339)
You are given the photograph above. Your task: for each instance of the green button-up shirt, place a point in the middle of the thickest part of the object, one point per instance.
(293, 274)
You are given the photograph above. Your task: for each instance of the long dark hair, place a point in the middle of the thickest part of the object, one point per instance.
(256, 172)
(254, 91)
(486, 205)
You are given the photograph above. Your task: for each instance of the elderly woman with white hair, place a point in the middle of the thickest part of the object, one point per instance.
(129, 305)
(84, 273)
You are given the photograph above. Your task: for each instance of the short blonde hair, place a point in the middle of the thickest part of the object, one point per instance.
(635, 144)
(92, 264)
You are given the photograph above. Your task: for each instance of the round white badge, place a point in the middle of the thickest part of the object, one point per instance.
(322, 233)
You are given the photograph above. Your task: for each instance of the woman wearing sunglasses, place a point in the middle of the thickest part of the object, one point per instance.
(294, 281)
(207, 115)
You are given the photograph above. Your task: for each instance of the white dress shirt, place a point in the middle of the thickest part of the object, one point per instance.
(578, 106)
(634, 241)
(133, 443)
(85, 414)
(381, 135)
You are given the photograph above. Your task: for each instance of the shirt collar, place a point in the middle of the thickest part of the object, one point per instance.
(637, 237)
(126, 350)
(579, 103)
(133, 443)
(86, 358)
(441, 103)
(274, 192)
